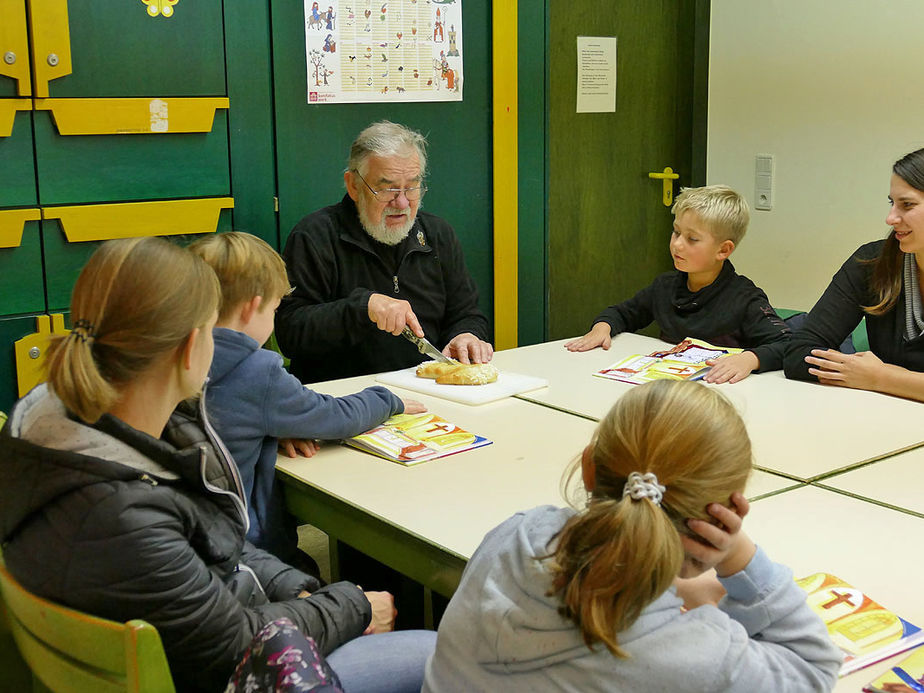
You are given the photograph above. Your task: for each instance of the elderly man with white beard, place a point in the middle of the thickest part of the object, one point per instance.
(365, 268)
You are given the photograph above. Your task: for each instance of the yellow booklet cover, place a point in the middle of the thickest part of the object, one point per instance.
(865, 631)
(414, 438)
(684, 361)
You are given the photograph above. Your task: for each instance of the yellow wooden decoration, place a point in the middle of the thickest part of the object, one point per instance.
(133, 219)
(667, 178)
(506, 200)
(164, 7)
(14, 45)
(51, 42)
(11, 225)
(32, 349)
(8, 108)
(132, 116)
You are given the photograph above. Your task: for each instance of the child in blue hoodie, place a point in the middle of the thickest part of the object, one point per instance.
(590, 600)
(253, 401)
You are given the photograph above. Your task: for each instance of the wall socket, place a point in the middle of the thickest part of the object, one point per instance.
(763, 182)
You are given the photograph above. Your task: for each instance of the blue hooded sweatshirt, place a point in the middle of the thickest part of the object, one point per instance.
(253, 401)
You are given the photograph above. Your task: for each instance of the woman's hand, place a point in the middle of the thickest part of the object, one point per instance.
(721, 544)
(862, 371)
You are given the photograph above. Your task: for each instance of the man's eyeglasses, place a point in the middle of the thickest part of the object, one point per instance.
(387, 195)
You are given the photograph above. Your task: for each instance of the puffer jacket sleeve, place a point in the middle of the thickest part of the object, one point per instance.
(204, 627)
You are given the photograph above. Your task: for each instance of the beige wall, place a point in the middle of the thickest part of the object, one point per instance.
(835, 91)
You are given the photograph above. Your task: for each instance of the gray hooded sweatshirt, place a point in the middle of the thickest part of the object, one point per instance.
(502, 632)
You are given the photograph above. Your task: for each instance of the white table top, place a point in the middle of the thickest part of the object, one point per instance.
(812, 530)
(897, 480)
(452, 502)
(798, 428)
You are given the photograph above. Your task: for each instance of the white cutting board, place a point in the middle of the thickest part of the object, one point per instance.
(507, 384)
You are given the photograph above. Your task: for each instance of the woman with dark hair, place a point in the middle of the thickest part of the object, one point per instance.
(882, 281)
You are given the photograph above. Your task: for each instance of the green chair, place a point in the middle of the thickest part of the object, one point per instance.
(72, 652)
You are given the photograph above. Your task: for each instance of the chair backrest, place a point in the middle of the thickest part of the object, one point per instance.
(73, 652)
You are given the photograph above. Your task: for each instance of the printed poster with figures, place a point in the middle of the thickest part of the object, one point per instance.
(362, 51)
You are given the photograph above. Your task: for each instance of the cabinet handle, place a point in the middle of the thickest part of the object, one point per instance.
(11, 225)
(8, 108)
(14, 45)
(132, 116)
(51, 42)
(132, 219)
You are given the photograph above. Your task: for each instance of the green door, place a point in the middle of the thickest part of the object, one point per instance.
(608, 227)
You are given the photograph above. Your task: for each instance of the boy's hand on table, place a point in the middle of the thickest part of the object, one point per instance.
(721, 544)
(293, 447)
(860, 370)
(412, 406)
(599, 336)
(731, 368)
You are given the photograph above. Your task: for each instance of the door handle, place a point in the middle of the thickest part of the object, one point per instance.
(667, 178)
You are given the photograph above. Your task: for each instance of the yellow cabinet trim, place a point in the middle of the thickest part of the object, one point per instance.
(14, 45)
(11, 225)
(132, 116)
(8, 108)
(51, 42)
(31, 351)
(131, 219)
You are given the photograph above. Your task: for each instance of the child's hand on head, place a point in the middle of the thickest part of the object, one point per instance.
(731, 368)
(721, 544)
(293, 447)
(599, 336)
(412, 406)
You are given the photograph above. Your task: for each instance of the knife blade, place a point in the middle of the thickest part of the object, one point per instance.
(424, 347)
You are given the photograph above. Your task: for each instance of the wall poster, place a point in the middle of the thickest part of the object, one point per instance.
(383, 50)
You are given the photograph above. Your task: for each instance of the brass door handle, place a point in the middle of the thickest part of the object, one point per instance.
(667, 178)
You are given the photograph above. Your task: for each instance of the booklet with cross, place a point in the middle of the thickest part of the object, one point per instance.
(684, 361)
(414, 438)
(866, 631)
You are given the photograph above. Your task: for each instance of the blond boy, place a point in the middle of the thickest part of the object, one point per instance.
(253, 401)
(704, 297)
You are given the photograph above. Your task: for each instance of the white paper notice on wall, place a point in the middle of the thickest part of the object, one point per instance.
(596, 74)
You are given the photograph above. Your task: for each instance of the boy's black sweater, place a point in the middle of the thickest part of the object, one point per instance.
(730, 312)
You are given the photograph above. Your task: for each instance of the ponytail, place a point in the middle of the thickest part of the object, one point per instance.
(620, 553)
(135, 301)
(611, 562)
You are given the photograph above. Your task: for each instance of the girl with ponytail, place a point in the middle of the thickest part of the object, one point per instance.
(882, 281)
(591, 598)
(118, 499)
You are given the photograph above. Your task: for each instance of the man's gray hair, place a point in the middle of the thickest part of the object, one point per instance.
(387, 139)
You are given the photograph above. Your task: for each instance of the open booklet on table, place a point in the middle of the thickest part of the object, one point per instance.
(865, 631)
(414, 438)
(684, 361)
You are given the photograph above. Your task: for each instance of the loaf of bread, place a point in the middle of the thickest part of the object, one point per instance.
(458, 373)
(469, 374)
(434, 369)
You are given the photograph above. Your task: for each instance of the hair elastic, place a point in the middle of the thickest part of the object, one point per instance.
(644, 486)
(83, 330)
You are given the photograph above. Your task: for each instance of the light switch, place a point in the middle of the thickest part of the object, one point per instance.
(763, 182)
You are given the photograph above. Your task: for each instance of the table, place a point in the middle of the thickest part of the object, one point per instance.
(804, 430)
(834, 490)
